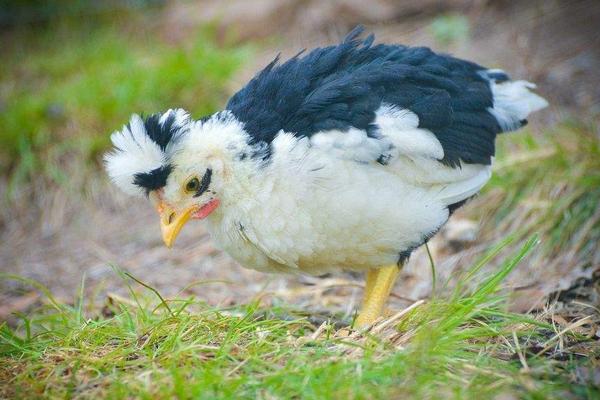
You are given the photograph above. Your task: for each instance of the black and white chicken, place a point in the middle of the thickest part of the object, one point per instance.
(348, 157)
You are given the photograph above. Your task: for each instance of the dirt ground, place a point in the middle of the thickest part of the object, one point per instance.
(64, 237)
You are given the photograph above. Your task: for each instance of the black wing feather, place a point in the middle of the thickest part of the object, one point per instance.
(339, 87)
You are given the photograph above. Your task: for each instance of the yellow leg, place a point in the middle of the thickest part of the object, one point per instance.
(370, 283)
(377, 290)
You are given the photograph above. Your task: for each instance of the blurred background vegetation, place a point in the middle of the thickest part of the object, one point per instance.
(72, 74)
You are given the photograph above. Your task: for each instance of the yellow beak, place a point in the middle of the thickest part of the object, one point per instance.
(171, 222)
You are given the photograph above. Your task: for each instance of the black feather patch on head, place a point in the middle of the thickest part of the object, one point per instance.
(205, 183)
(163, 132)
(153, 180)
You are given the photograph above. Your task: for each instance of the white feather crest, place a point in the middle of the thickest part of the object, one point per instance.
(135, 152)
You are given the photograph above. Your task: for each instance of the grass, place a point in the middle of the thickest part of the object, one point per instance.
(449, 28)
(464, 346)
(549, 184)
(66, 86)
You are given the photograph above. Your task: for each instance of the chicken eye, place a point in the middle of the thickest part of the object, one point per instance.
(192, 185)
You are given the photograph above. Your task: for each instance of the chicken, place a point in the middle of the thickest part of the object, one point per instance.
(348, 157)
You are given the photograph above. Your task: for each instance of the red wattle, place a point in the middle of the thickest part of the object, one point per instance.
(206, 209)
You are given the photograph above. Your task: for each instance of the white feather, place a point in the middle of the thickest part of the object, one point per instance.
(181, 116)
(134, 152)
(417, 155)
(454, 192)
(400, 126)
(513, 102)
(353, 144)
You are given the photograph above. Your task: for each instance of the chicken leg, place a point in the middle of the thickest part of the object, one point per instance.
(377, 290)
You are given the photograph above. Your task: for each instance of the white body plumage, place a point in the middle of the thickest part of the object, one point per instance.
(319, 205)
